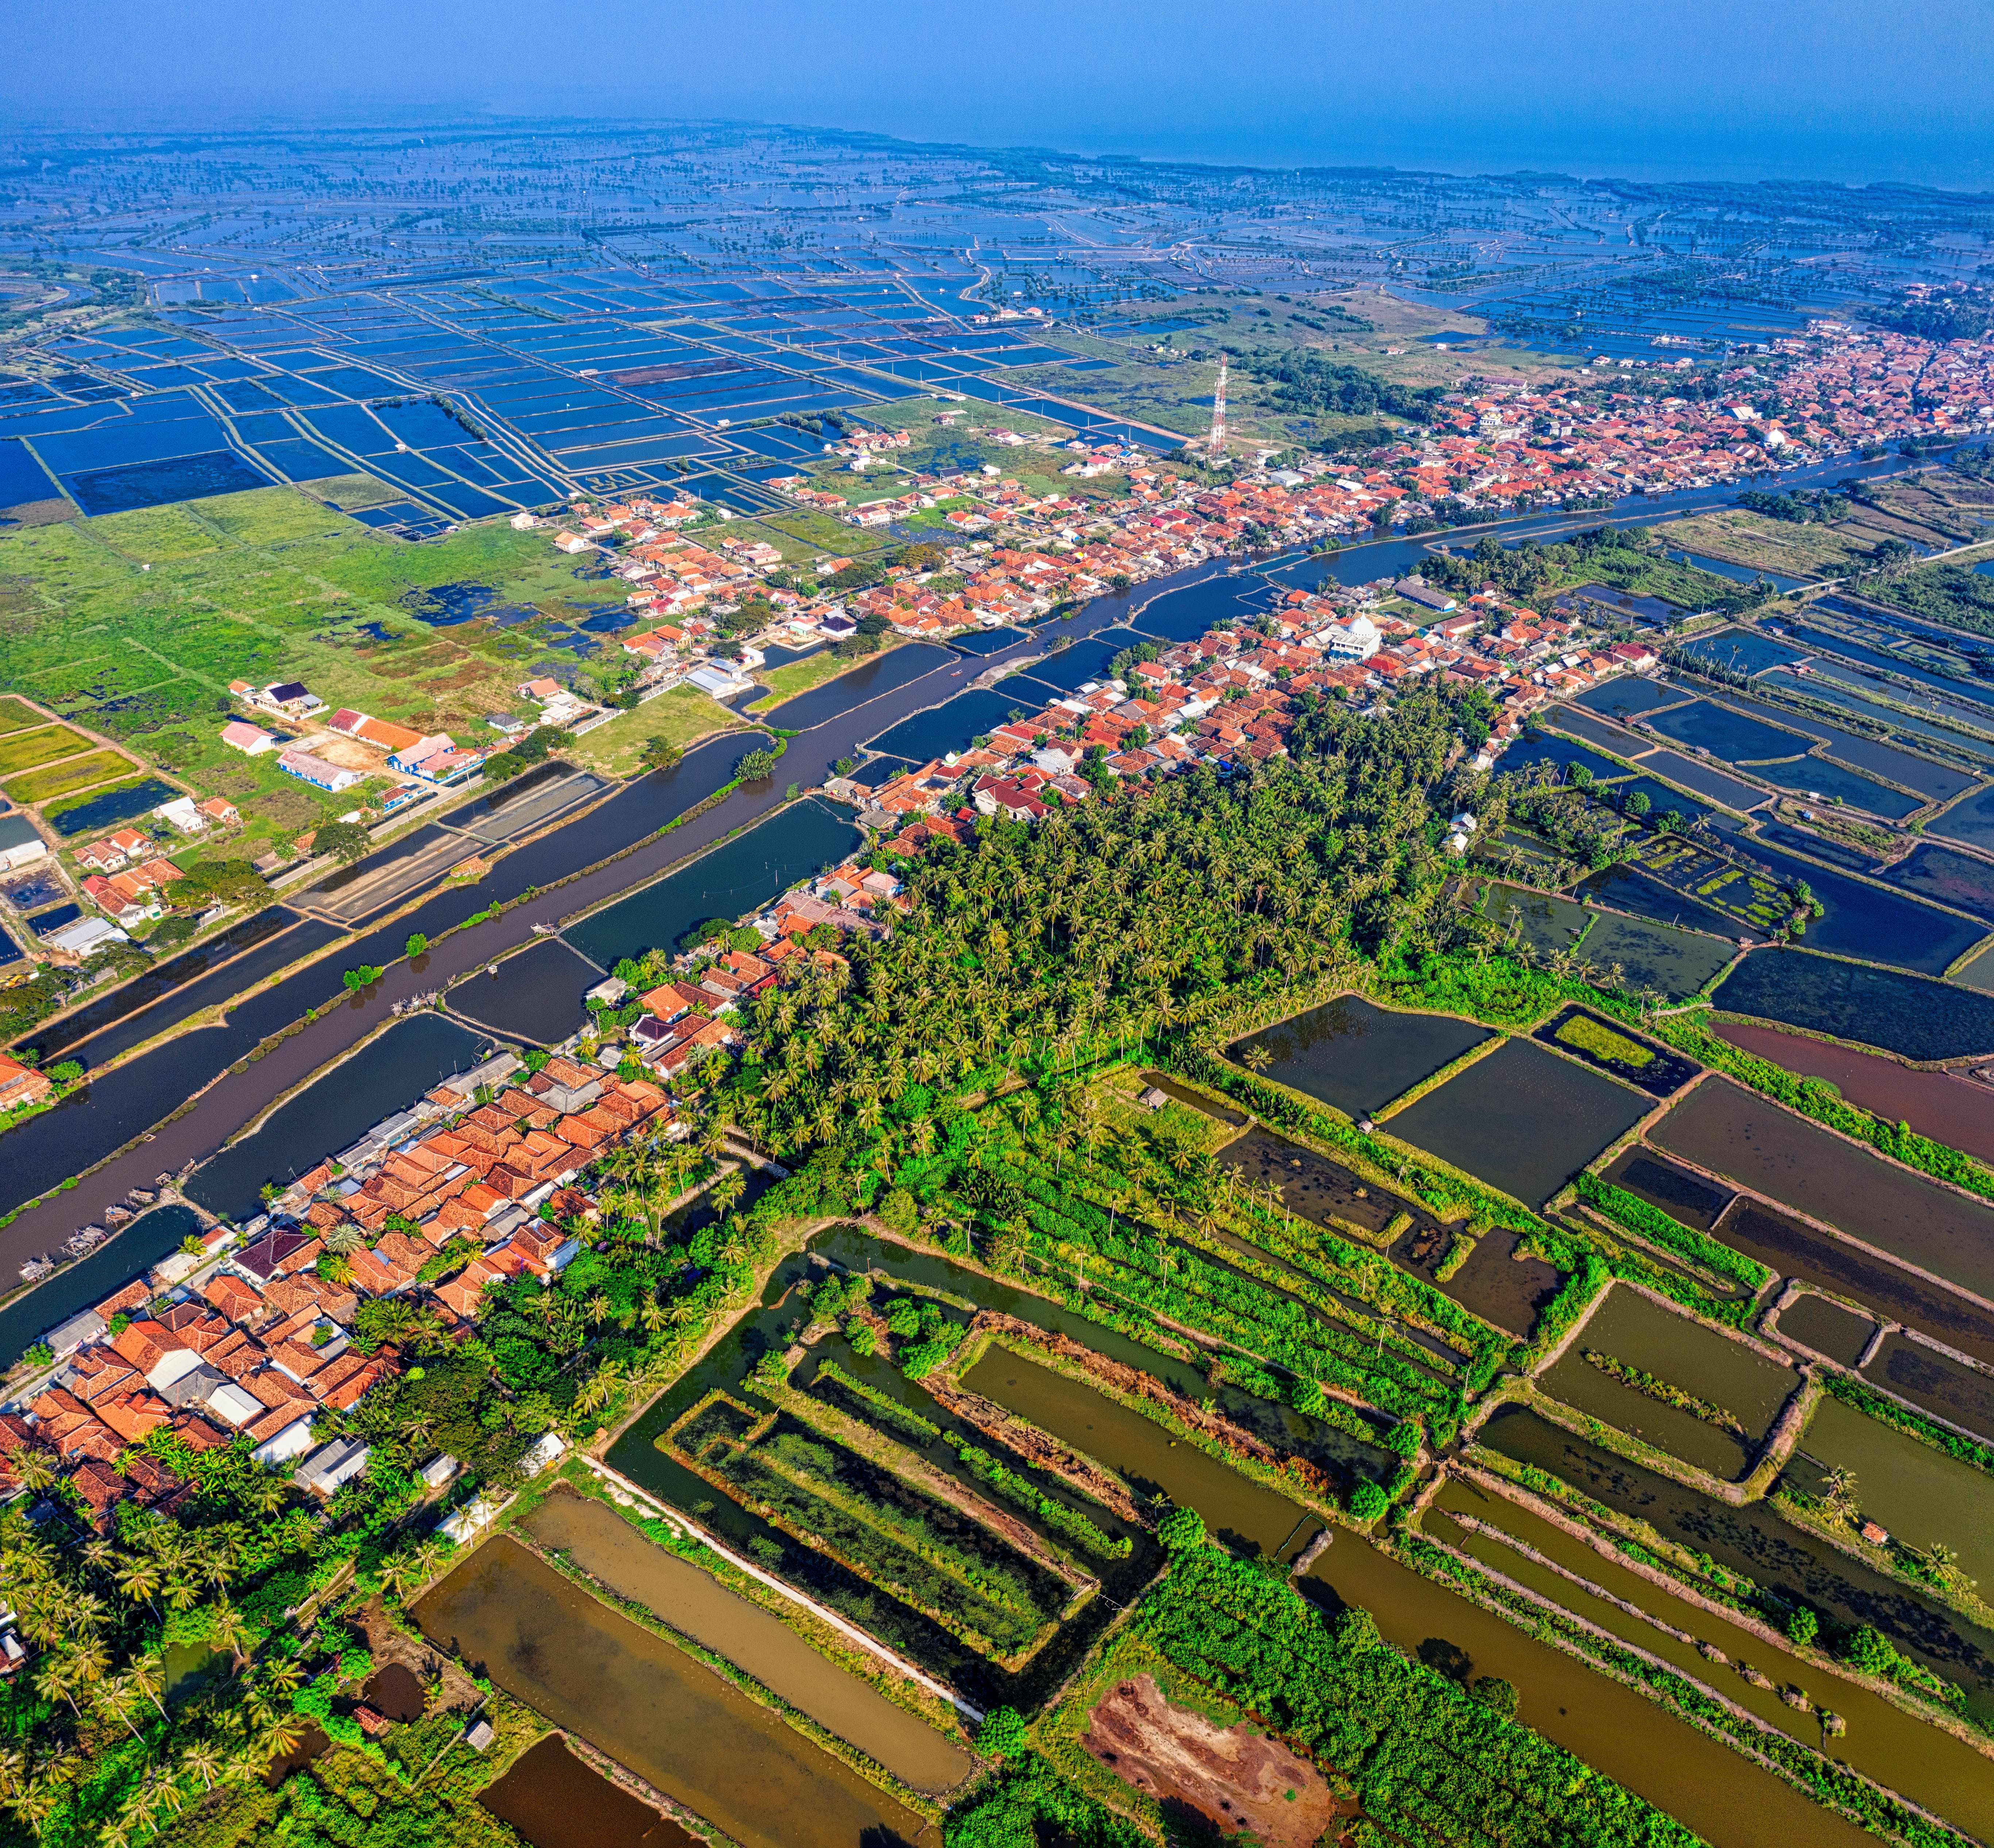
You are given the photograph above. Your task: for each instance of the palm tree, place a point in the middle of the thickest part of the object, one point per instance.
(203, 1760)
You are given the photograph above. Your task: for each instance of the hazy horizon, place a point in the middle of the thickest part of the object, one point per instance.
(1832, 92)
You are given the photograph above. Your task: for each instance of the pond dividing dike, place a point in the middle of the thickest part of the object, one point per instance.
(1727, 1797)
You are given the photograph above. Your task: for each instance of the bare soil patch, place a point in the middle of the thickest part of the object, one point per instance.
(1235, 1778)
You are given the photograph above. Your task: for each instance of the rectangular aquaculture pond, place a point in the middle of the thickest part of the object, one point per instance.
(1356, 1057)
(1609, 1047)
(1723, 1127)
(1656, 1375)
(1522, 1119)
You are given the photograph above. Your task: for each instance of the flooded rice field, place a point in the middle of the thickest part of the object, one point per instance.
(620, 1558)
(385, 1075)
(1910, 1015)
(1657, 1376)
(552, 1799)
(535, 996)
(1828, 1328)
(804, 838)
(653, 1709)
(1606, 1046)
(1356, 1057)
(1731, 1131)
(1522, 1120)
(1922, 1497)
(1785, 1560)
(1944, 1386)
(1883, 1742)
(1951, 1109)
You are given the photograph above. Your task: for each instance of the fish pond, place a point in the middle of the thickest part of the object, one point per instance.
(1922, 1497)
(653, 1709)
(619, 1557)
(1828, 1328)
(386, 1074)
(1729, 1130)
(551, 1798)
(1606, 1047)
(1787, 1561)
(1957, 879)
(1970, 821)
(1521, 1118)
(1911, 1015)
(1954, 1110)
(1356, 1057)
(1660, 1376)
(535, 996)
(1960, 1394)
(746, 871)
(1883, 1741)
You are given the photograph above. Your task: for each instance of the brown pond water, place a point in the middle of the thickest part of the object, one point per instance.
(394, 1693)
(1630, 1327)
(1920, 1494)
(1790, 1248)
(1242, 1514)
(1676, 1191)
(1883, 1741)
(611, 1551)
(1828, 1328)
(1721, 1126)
(1785, 1560)
(1494, 1283)
(653, 1709)
(555, 1800)
(1723, 1796)
(1958, 1394)
(1726, 1798)
(1952, 1110)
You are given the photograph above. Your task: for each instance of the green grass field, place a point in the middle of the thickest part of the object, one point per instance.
(259, 586)
(23, 750)
(79, 773)
(678, 716)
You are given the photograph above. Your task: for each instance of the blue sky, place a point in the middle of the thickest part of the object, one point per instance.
(1850, 90)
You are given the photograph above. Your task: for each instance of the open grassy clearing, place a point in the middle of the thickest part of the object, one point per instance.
(678, 717)
(1745, 538)
(17, 715)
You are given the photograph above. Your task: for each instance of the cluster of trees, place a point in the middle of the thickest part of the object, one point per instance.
(1964, 312)
(1799, 506)
(1431, 1759)
(522, 753)
(1310, 383)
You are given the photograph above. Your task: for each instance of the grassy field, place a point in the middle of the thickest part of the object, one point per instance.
(17, 715)
(1772, 545)
(272, 584)
(800, 676)
(23, 750)
(821, 534)
(678, 716)
(78, 774)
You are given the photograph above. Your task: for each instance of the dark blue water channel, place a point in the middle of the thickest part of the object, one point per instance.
(806, 838)
(388, 1073)
(143, 1244)
(882, 674)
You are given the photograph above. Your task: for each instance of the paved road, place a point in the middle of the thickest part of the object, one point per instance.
(133, 1098)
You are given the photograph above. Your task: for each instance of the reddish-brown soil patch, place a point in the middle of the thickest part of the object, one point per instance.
(1957, 1111)
(1235, 1779)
